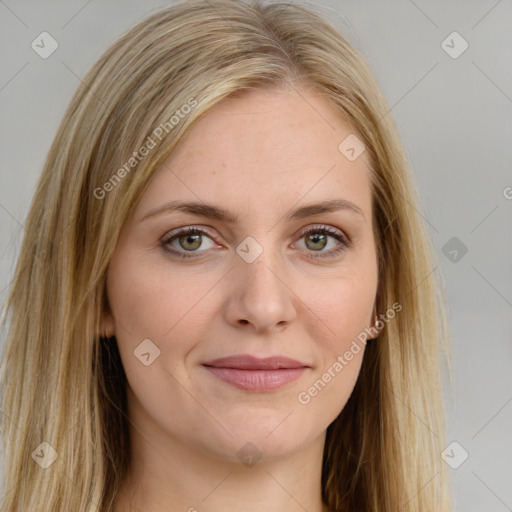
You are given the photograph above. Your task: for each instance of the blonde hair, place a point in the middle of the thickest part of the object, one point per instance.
(63, 384)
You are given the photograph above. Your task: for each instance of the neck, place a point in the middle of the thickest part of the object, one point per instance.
(190, 480)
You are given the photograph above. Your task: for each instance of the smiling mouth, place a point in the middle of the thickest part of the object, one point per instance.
(256, 380)
(254, 373)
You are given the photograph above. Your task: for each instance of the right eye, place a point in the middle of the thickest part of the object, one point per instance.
(188, 240)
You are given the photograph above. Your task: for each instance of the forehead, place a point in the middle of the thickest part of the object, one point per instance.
(271, 147)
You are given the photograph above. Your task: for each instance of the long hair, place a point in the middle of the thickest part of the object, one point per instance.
(63, 386)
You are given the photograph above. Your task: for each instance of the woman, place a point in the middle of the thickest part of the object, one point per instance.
(230, 290)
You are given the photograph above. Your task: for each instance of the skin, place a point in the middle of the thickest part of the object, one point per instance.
(259, 156)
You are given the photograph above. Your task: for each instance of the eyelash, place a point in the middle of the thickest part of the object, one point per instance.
(325, 230)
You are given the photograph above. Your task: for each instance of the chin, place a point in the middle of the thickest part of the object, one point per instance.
(247, 442)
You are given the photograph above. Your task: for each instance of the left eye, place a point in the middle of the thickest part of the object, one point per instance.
(191, 239)
(316, 238)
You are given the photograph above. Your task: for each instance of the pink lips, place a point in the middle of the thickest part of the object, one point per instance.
(255, 374)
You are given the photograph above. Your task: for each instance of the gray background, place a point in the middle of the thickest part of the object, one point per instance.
(455, 117)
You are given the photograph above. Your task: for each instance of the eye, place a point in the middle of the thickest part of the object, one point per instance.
(188, 239)
(317, 239)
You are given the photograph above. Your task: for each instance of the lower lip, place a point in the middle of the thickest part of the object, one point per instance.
(256, 380)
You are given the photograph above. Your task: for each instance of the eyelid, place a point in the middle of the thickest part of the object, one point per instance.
(185, 230)
(331, 231)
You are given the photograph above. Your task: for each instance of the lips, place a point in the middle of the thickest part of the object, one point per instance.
(250, 373)
(247, 362)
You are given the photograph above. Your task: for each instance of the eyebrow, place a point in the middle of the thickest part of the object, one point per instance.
(216, 212)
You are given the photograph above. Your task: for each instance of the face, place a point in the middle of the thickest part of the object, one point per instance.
(263, 280)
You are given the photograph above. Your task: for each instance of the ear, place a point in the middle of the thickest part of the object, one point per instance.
(373, 320)
(107, 324)
(374, 314)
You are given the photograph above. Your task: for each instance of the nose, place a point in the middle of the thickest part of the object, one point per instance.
(259, 296)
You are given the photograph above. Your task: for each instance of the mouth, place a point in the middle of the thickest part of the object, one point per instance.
(250, 373)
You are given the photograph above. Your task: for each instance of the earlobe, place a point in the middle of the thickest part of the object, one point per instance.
(373, 322)
(107, 327)
(374, 317)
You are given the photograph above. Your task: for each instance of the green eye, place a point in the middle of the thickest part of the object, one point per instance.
(317, 238)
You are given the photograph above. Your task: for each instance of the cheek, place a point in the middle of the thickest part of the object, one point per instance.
(346, 312)
(148, 302)
(345, 307)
